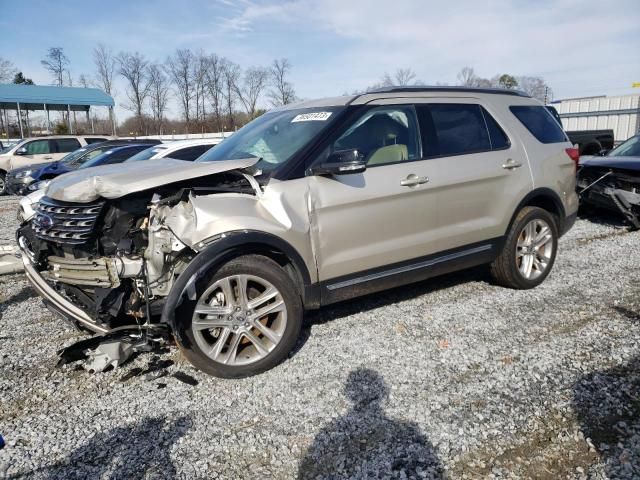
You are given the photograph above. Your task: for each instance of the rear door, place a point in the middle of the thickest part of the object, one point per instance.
(369, 221)
(482, 170)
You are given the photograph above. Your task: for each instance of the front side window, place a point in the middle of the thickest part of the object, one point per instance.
(38, 147)
(65, 145)
(275, 137)
(540, 123)
(383, 135)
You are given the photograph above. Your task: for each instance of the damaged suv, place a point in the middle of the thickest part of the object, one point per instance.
(307, 205)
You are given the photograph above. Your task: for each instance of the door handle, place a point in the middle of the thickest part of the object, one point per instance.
(48, 157)
(510, 165)
(413, 180)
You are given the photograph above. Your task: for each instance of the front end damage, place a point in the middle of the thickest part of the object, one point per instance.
(615, 189)
(108, 264)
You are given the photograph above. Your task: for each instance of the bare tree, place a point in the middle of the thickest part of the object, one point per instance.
(158, 94)
(199, 80)
(536, 87)
(133, 67)
(467, 77)
(231, 78)
(214, 83)
(57, 63)
(405, 76)
(105, 62)
(180, 70)
(84, 81)
(7, 71)
(282, 92)
(254, 82)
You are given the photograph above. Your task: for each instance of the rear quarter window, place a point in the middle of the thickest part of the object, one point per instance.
(539, 122)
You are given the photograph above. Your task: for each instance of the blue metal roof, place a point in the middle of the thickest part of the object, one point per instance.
(37, 94)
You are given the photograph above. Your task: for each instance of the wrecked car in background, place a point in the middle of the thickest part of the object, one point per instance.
(612, 181)
(305, 206)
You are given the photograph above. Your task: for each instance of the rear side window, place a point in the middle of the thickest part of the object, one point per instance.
(498, 138)
(539, 122)
(91, 140)
(65, 145)
(190, 153)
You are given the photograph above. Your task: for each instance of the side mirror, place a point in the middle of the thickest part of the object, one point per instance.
(341, 162)
(21, 151)
(604, 152)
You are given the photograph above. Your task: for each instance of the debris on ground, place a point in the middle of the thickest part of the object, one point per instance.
(9, 262)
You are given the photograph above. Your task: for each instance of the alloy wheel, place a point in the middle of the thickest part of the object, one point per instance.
(534, 249)
(239, 319)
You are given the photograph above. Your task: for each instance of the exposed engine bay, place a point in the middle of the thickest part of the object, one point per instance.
(117, 259)
(612, 189)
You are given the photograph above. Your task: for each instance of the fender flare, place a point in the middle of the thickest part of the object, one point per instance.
(218, 252)
(541, 192)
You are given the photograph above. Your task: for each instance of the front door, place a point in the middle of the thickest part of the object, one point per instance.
(384, 215)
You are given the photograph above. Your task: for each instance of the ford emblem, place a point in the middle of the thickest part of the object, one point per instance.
(45, 221)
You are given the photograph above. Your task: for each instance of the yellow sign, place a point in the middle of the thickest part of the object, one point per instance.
(635, 85)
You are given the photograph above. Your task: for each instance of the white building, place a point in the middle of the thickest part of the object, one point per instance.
(620, 114)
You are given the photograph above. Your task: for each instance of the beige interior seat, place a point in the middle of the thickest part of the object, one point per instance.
(389, 154)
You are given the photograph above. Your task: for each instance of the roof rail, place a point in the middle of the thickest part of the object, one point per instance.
(438, 88)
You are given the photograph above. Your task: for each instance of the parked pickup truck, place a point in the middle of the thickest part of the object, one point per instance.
(590, 142)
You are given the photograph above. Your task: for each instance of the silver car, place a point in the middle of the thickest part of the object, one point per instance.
(307, 205)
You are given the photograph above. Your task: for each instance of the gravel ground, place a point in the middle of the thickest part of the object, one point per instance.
(452, 378)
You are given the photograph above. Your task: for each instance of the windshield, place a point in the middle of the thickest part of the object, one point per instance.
(274, 137)
(86, 155)
(630, 148)
(146, 154)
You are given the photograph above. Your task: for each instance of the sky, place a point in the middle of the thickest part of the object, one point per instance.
(581, 48)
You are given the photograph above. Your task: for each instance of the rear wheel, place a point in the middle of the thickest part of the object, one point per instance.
(529, 250)
(3, 183)
(245, 320)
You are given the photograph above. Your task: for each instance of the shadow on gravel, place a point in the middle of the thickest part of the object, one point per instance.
(137, 451)
(365, 443)
(607, 405)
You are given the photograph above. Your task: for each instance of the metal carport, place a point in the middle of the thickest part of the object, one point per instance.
(69, 99)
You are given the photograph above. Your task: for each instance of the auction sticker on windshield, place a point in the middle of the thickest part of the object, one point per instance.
(311, 117)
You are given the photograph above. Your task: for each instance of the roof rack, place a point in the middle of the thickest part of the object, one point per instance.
(427, 88)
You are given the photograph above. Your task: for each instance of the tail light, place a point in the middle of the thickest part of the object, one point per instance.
(574, 154)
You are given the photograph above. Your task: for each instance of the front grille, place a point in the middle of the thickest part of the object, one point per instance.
(65, 223)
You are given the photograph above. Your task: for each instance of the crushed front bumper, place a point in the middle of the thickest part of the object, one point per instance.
(56, 302)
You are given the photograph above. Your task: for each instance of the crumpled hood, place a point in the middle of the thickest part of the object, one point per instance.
(115, 181)
(623, 163)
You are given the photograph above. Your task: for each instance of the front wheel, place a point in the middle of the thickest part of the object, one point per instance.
(246, 318)
(3, 183)
(529, 250)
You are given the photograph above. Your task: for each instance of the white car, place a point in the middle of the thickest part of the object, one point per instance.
(187, 150)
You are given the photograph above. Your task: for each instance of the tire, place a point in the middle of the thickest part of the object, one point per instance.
(3, 184)
(521, 255)
(225, 342)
